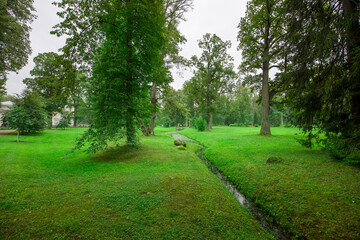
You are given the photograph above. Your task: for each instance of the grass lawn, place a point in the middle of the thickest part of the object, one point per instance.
(308, 193)
(155, 192)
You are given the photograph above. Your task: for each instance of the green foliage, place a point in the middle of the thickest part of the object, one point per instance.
(200, 124)
(53, 79)
(124, 51)
(256, 119)
(326, 91)
(275, 117)
(15, 18)
(28, 114)
(174, 107)
(343, 149)
(214, 74)
(166, 122)
(262, 39)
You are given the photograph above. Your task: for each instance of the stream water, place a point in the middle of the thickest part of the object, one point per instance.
(258, 214)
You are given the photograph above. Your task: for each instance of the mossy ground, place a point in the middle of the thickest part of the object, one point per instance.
(154, 192)
(307, 192)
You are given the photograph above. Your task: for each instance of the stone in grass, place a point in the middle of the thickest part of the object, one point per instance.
(274, 160)
(181, 148)
(178, 142)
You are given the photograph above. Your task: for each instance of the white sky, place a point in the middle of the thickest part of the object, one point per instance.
(208, 16)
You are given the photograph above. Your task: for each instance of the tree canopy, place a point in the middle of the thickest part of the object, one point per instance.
(15, 17)
(122, 42)
(214, 73)
(262, 42)
(53, 77)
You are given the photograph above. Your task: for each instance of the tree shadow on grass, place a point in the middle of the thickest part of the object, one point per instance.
(118, 154)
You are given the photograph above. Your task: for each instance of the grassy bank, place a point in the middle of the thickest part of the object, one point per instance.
(155, 192)
(308, 193)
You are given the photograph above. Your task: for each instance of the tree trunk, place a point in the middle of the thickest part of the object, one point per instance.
(211, 120)
(265, 102)
(75, 115)
(18, 135)
(207, 118)
(144, 129)
(153, 101)
(50, 123)
(281, 119)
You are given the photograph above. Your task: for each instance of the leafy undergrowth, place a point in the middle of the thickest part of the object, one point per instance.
(155, 192)
(309, 194)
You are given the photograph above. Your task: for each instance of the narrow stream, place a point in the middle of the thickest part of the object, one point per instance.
(258, 214)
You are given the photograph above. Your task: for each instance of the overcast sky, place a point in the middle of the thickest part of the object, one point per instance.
(208, 16)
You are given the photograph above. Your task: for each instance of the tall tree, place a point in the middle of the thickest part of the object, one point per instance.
(15, 17)
(174, 11)
(121, 41)
(262, 41)
(214, 72)
(53, 78)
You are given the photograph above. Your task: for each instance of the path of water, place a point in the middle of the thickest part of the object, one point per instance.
(258, 214)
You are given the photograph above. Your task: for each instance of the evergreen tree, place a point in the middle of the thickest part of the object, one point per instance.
(324, 76)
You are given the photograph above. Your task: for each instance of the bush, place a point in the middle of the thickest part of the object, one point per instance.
(28, 114)
(166, 122)
(343, 149)
(200, 124)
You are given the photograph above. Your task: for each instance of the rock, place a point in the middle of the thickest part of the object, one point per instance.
(184, 144)
(274, 160)
(171, 177)
(181, 148)
(178, 142)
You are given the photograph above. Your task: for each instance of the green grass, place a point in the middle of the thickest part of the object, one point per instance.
(308, 193)
(155, 192)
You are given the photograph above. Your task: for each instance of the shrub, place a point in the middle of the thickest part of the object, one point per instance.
(343, 149)
(200, 124)
(28, 114)
(166, 122)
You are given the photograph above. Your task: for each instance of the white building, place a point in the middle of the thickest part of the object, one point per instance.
(57, 117)
(4, 106)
